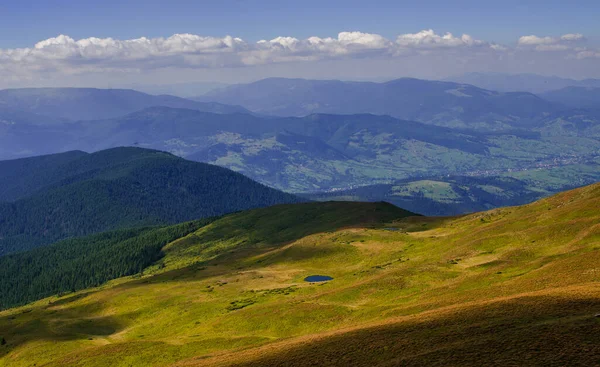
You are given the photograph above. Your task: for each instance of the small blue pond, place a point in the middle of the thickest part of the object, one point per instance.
(317, 278)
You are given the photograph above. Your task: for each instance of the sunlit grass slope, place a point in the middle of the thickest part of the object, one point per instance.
(513, 286)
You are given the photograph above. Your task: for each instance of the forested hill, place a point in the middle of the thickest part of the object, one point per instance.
(117, 188)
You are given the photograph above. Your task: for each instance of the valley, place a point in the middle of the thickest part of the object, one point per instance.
(476, 133)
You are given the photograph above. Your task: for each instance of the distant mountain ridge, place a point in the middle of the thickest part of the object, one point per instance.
(576, 97)
(94, 104)
(533, 83)
(462, 130)
(319, 151)
(432, 102)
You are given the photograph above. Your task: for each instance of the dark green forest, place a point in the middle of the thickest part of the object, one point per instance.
(85, 262)
(123, 188)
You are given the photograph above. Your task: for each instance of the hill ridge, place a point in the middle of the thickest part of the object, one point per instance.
(118, 188)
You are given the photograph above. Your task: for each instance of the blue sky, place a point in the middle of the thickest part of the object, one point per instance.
(397, 38)
(25, 22)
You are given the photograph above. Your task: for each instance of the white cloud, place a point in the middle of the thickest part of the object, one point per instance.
(562, 43)
(552, 47)
(497, 47)
(535, 40)
(429, 39)
(572, 37)
(587, 54)
(63, 55)
(367, 40)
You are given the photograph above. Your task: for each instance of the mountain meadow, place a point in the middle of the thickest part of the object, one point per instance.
(516, 285)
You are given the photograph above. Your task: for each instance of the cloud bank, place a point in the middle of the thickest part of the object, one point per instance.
(565, 42)
(63, 55)
(189, 50)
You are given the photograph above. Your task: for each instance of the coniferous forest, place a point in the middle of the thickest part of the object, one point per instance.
(79, 263)
(115, 189)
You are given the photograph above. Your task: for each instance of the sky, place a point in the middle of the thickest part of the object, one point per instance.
(110, 43)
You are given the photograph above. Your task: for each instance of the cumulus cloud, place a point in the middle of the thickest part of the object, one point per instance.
(64, 55)
(572, 37)
(429, 39)
(547, 43)
(587, 54)
(535, 40)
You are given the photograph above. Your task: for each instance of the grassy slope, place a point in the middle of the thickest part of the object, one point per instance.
(510, 286)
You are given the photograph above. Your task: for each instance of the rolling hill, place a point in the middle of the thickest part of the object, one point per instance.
(454, 195)
(330, 147)
(323, 152)
(433, 102)
(532, 83)
(443, 195)
(76, 194)
(575, 97)
(319, 152)
(511, 286)
(12, 116)
(94, 104)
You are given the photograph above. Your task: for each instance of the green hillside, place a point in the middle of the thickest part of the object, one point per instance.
(511, 286)
(117, 188)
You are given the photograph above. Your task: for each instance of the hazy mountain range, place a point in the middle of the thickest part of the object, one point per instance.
(433, 102)
(533, 83)
(577, 97)
(447, 128)
(91, 104)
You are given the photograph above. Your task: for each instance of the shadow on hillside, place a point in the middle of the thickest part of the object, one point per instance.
(530, 331)
(254, 233)
(261, 231)
(65, 300)
(288, 223)
(52, 323)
